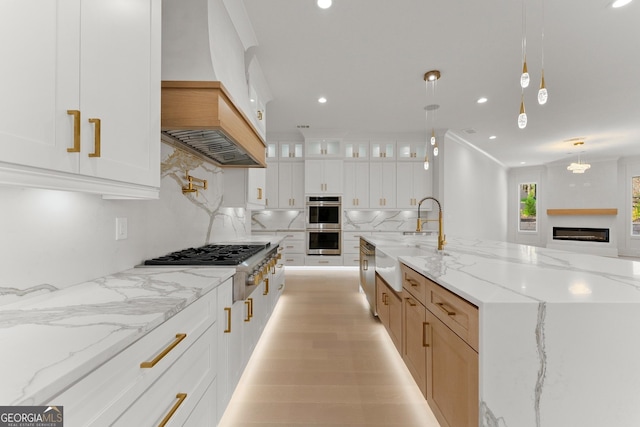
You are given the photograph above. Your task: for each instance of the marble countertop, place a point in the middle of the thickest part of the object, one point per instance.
(50, 341)
(558, 330)
(491, 272)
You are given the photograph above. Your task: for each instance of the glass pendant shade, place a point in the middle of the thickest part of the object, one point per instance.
(435, 151)
(426, 163)
(522, 118)
(543, 95)
(433, 137)
(524, 78)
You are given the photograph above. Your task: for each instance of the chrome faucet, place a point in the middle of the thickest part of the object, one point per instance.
(441, 236)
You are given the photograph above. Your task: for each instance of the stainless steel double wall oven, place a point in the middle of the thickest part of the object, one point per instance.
(324, 225)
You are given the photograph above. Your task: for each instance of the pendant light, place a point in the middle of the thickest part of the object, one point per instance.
(431, 78)
(522, 117)
(524, 77)
(543, 95)
(426, 162)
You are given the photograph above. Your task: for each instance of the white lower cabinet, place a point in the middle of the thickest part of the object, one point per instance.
(196, 359)
(293, 247)
(116, 392)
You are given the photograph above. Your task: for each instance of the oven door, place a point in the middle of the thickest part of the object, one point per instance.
(324, 212)
(324, 242)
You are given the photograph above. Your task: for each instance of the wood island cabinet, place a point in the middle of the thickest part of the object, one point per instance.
(440, 348)
(389, 307)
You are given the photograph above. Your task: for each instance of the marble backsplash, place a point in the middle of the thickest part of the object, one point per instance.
(352, 220)
(54, 239)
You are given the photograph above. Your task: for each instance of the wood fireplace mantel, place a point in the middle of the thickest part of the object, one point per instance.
(567, 212)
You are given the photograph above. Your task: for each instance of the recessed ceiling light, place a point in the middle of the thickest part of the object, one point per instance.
(322, 100)
(522, 163)
(492, 137)
(482, 100)
(620, 3)
(324, 4)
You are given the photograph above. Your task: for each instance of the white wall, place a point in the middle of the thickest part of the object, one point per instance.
(473, 190)
(62, 238)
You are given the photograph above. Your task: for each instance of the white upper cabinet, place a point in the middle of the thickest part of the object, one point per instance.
(244, 187)
(356, 150)
(356, 185)
(291, 185)
(382, 188)
(271, 185)
(81, 99)
(413, 184)
(323, 176)
(384, 150)
(323, 147)
(412, 151)
(291, 150)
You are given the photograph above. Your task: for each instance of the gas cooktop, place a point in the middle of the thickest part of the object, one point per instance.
(218, 254)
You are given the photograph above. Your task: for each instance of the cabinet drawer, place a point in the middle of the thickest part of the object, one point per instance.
(293, 259)
(293, 246)
(323, 260)
(414, 283)
(291, 235)
(105, 393)
(351, 259)
(455, 312)
(191, 375)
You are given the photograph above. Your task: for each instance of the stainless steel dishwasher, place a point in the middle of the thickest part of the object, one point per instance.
(368, 273)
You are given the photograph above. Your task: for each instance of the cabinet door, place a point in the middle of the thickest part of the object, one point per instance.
(236, 344)
(271, 185)
(313, 176)
(414, 352)
(119, 85)
(395, 319)
(39, 82)
(224, 325)
(383, 184)
(356, 185)
(333, 176)
(452, 376)
(291, 185)
(381, 301)
(256, 186)
(413, 183)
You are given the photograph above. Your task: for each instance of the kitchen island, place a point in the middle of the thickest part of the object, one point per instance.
(558, 331)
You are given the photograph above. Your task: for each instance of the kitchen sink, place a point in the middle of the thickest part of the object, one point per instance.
(388, 266)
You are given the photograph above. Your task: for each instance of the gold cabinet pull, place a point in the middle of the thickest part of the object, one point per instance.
(259, 193)
(413, 283)
(411, 303)
(251, 307)
(151, 364)
(445, 309)
(96, 138)
(76, 131)
(425, 326)
(266, 287)
(228, 310)
(181, 397)
(248, 304)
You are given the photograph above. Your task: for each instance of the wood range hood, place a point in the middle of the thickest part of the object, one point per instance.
(201, 117)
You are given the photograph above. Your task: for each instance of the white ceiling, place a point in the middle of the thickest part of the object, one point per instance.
(368, 58)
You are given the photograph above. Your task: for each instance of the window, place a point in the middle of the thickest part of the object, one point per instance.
(635, 206)
(528, 205)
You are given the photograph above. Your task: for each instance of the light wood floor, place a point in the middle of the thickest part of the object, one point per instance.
(324, 360)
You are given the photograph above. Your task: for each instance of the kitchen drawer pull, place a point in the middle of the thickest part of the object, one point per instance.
(96, 138)
(228, 310)
(445, 309)
(76, 131)
(425, 326)
(280, 287)
(181, 397)
(411, 303)
(151, 364)
(259, 193)
(266, 287)
(412, 282)
(248, 304)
